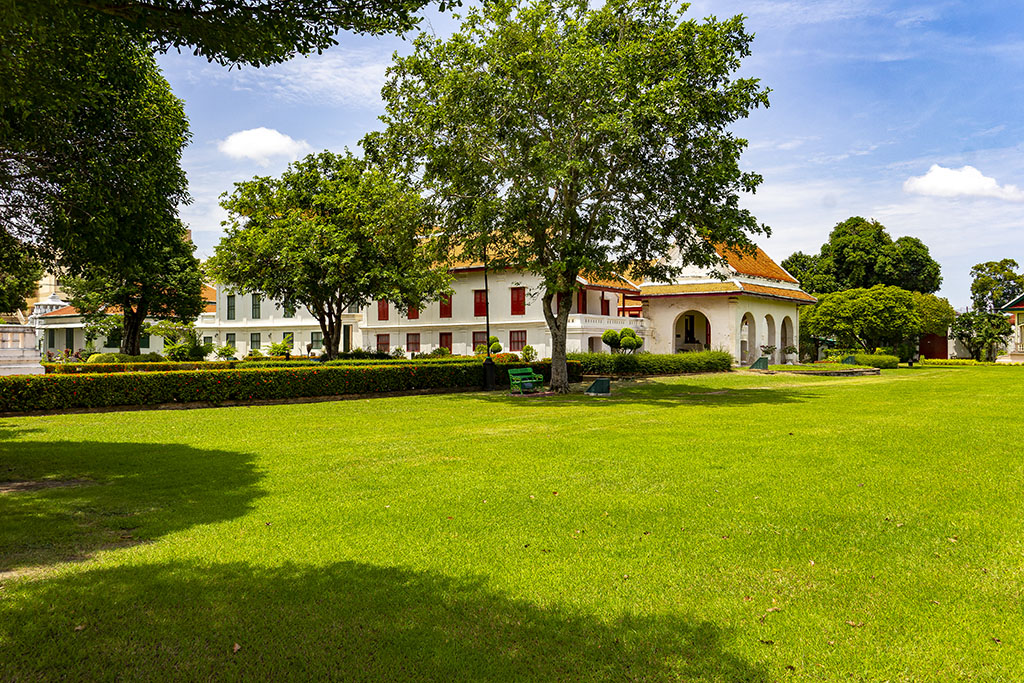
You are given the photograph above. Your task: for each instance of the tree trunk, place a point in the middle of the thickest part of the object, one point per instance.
(131, 330)
(330, 325)
(557, 323)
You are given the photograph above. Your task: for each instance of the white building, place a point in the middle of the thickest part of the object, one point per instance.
(740, 306)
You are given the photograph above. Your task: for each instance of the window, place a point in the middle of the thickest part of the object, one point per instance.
(231, 306)
(516, 340)
(206, 340)
(51, 338)
(113, 340)
(414, 314)
(412, 342)
(478, 339)
(581, 301)
(317, 339)
(69, 339)
(384, 343)
(254, 340)
(289, 339)
(480, 302)
(445, 340)
(446, 307)
(352, 308)
(605, 306)
(382, 309)
(230, 337)
(518, 301)
(255, 307)
(144, 341)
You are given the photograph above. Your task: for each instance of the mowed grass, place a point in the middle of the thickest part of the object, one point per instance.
(730, 527)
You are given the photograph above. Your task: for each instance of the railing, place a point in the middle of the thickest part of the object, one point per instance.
(607, 322)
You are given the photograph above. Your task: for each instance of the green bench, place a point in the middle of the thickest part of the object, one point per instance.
(525, 380)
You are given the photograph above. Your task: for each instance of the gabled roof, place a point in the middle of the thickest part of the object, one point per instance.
(63, 310)
(727, 287)
(758, 264)
(1015, 305)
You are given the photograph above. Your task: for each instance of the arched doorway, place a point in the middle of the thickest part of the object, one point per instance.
(787, 335)
(692, 332)
(769, 325)
(749, 351)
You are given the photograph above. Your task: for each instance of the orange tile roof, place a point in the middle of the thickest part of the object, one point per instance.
(779, 292)
(64, 310)
(693, 288)
(758, 264)
(617, 283)
(209, 293)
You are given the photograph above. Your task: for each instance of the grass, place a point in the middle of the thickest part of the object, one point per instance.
(731, 527)
(817, 367)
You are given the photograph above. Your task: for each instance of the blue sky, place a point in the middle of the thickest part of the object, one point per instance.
(900, 111)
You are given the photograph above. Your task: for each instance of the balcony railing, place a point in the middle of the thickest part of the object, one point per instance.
(607, 322)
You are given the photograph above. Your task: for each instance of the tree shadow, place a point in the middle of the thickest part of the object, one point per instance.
(651, 392)
(65, 500)
(346, 620)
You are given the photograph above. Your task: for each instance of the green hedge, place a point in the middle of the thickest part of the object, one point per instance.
(22, 393)
(952, 361)
(651, 363)
(81, 368)
(151, 357)
(876, 360)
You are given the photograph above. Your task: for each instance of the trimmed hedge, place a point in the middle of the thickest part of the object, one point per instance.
(877, 360)
(151, 357)
(23, 393)
(652, 364)
(952, 361)
(81, 368)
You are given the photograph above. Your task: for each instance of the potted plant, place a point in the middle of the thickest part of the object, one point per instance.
(790, 353)
(767, 350)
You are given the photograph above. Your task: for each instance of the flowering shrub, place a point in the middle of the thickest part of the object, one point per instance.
(21, 393)
(94, 368)
(651, 363)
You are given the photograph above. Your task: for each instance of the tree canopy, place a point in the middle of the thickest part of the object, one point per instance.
(332, 232)
(860, 253)
(19, 273)
(995, 284)
(935, 312)
(868, 318)
(982, 333)
(257, 32)
(566, 140)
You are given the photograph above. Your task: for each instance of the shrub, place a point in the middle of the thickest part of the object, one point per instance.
(99, 368)
(125, 358)
(480, 350)
(505, 358)
(529, 353)
(952, 361)
(226, 352)
(281, 348)
(21, 393)
(438, 352)
(652, 364)
(875, 360)
(495, 347)
(398, 352)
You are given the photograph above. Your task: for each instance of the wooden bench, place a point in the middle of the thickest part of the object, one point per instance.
(524, 380)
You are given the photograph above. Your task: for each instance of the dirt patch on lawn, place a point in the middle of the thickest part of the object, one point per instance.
(19, 486)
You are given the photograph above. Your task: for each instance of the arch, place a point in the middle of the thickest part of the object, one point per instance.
(749, 351)
(787, 334)
(691, 332)
(770, 340)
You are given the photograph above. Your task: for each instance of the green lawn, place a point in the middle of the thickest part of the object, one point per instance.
(734, 527)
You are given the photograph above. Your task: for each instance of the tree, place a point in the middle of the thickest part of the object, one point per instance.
(983, 333)
(564, 140)
(811, 273)
(995, 284)
(860, 253)
(257, 32)
(332, 232)
(160, 280)
(90, 142)
(936, 314)
(868, 318)
(19, 273)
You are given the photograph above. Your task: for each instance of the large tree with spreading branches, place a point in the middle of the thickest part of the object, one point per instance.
(332, 232)
(562, 140)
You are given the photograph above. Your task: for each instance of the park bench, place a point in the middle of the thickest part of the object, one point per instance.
(524, 380)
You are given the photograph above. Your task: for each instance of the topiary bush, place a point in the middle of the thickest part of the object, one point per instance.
(529, 353)
(652, 364)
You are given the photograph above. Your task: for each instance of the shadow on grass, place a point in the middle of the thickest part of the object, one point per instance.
(655, 393)
(345, 621)
(64, 500)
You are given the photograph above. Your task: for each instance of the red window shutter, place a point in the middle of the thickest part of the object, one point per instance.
(605, 306)
(480, 302)
(445, 340)
(516, 340)
(412, 342)
(581, 301)
(446, 307)
(384, 343)
(382, 309)
(519, 301)
(414, 314)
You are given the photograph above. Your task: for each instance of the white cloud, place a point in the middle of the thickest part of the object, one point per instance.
(967, 181)
(261, 145)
